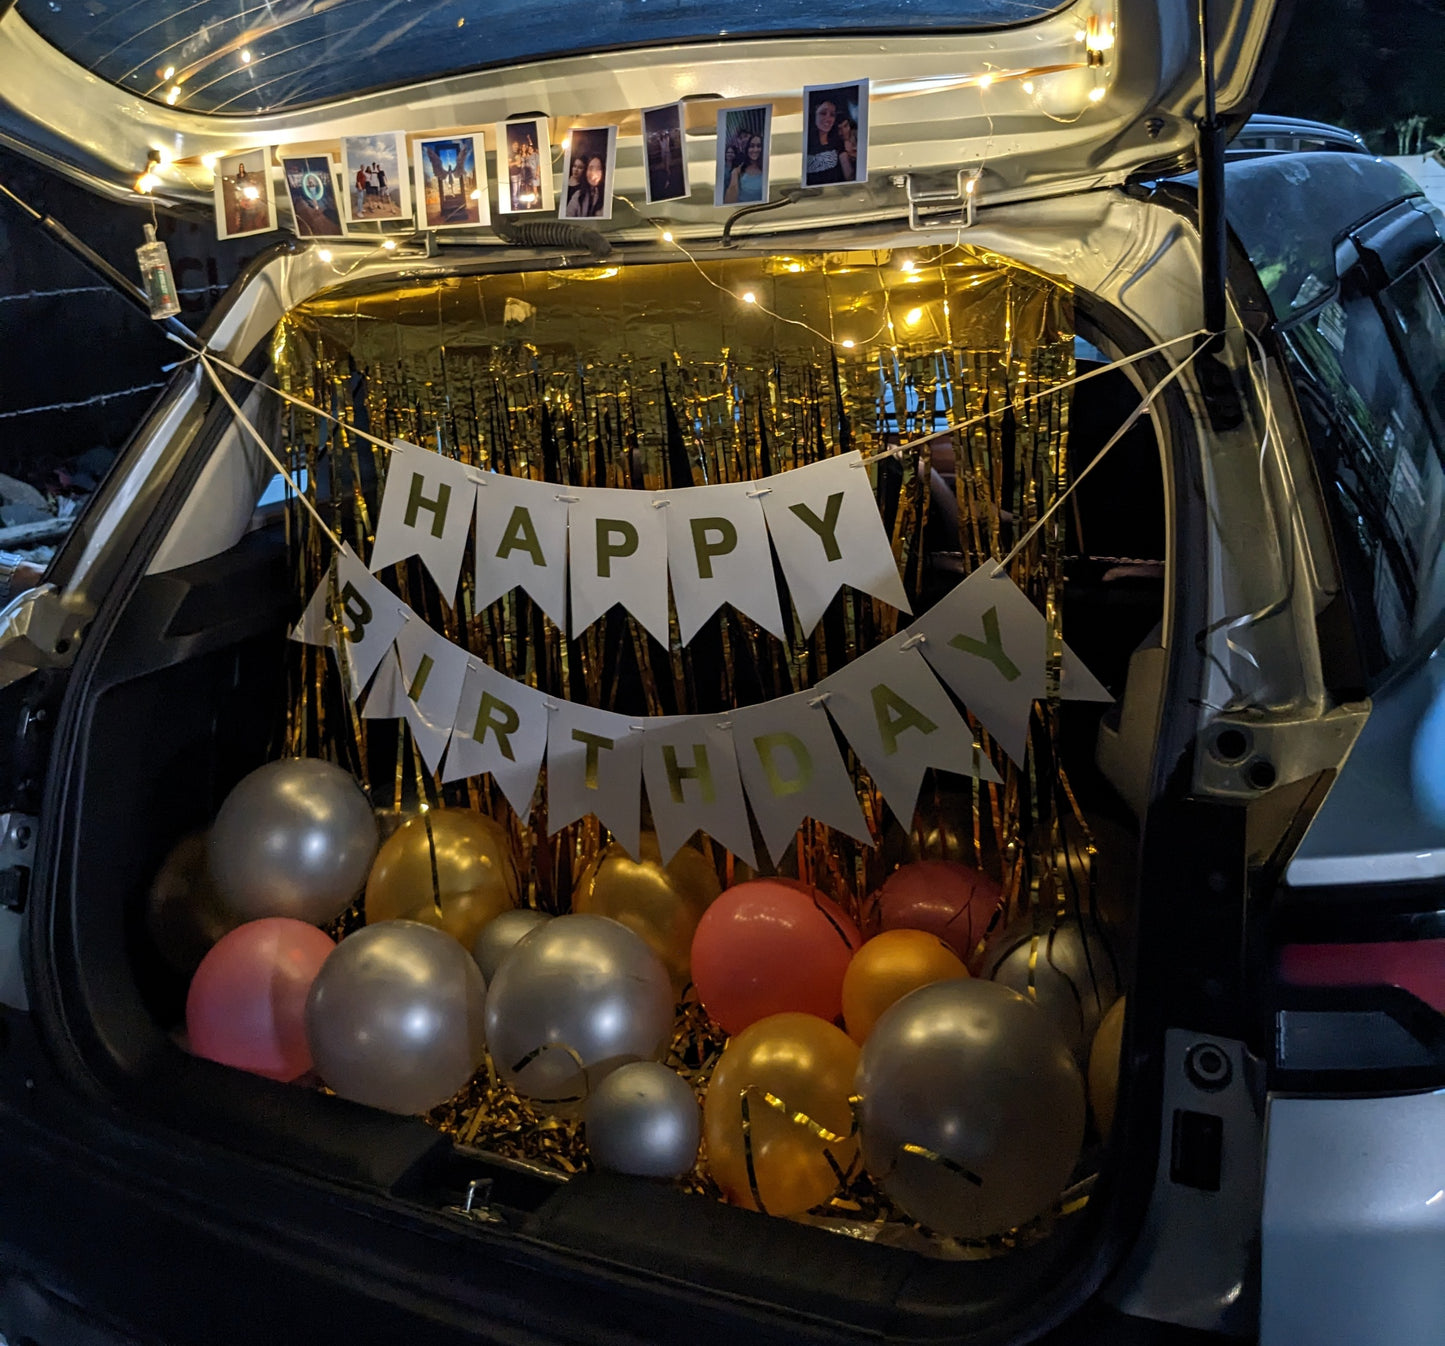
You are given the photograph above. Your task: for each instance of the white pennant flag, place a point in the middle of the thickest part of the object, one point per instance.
(370, 613)
(617, 541)
(793, 770)
(693, 784)
(717, 552)
(900, 722)
(501, 728)
(424, 687)
(522, 541)
(426, 511)
(827, 530)
(594, 765)
(987, 641)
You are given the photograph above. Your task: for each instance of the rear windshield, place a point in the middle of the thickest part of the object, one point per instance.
(248, 58)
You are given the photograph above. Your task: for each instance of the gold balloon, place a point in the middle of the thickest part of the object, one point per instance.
(184, 912)
(806, 1065)
(887, 968)
(475, 876)
(662, 903)
(1104, 1066)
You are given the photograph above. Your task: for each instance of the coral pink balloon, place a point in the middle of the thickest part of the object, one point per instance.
(951, 900)
(247, 1002)
(771, 946)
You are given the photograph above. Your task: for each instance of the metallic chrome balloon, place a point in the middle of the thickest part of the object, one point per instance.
(502, 932)
(663, 903)
(577, 998)
(643, 1119)
(1071, 974)
(395, 1017)
(294, 838)
(184, 912)
(977, 1081)
(451, 868)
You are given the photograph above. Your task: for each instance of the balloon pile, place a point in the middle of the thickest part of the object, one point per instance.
(941, 1055)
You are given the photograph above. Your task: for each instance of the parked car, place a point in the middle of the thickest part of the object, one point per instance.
(1253, 572)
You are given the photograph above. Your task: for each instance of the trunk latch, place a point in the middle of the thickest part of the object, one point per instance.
(930, 192)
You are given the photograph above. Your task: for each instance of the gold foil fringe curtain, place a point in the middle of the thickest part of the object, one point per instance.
(666, 375)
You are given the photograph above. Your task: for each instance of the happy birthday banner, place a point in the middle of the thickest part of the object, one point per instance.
(621, 546)
(985, 642)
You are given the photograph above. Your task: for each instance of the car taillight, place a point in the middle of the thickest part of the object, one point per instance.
(1361, 1015)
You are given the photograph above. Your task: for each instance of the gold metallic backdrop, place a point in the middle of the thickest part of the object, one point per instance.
(663, 375)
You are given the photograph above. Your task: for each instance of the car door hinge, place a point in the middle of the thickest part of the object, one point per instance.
(17, 849)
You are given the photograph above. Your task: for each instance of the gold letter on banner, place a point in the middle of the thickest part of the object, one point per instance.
(594, 765)
(426, 511)
(717, 552)
(844, 544)
(716, 806)
(501, 728)
(522, 542)
(999, 677)
(886, 693)
(371, 614)
(618, 542)
(791, 765)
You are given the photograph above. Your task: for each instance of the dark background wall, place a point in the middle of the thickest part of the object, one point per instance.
(80, 364)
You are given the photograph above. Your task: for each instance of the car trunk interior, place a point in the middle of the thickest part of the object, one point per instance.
(664, 375)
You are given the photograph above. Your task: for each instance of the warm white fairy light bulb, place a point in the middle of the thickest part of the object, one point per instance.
(750, 298)
(325, 254)
(389, 244)
(1096, 95)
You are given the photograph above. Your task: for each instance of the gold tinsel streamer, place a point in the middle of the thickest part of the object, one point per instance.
(651, 377)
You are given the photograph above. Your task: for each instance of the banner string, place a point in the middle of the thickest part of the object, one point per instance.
(1129, 421)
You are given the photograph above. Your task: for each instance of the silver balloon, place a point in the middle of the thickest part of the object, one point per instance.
(577, 998)
(496, 938)
(395, 1017)
(643, 1119)
(972, 1110)
(1070, 973)
(294, 838)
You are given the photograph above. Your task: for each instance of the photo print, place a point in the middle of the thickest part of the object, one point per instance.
(744, 155)
(312, 188)
(524, 167)
(451, 182)
(244, 203)
(663, 129)
(835, 119)
(590, 153)
(373, 173)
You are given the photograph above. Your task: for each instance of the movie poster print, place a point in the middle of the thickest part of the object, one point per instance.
(744, 155)
(374, 177)
(664, 152)
(590, 157)
(311, 184)
(451, 181)
(244, 202)
(835, 124)
(524, 167)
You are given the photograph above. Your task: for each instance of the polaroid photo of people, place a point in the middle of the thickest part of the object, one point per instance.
(451, 181)
(835, 120)
(374, 176)
(744, 155)
(590, 155)
(663, 129)
(244, 203)
(524, 167)
(311, 183)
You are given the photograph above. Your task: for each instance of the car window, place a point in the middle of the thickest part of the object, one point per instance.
(1361, 361)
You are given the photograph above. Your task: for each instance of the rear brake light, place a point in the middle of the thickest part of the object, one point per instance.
(1416, 966)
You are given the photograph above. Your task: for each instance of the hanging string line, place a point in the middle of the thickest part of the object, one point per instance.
(1113, 439)
(898, 450)
(895, 451)
(261, 444)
